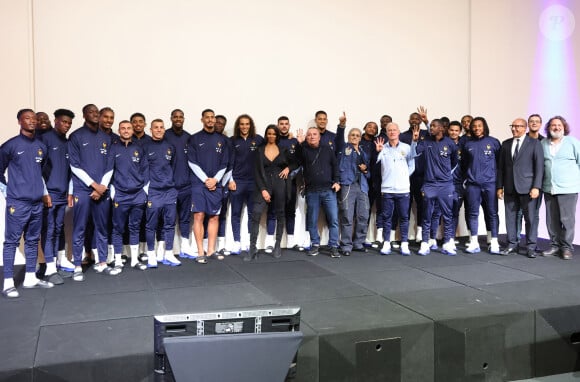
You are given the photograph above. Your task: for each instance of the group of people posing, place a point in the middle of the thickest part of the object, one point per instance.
(130, 191)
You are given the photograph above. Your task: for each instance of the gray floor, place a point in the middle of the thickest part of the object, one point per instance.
(364, 295)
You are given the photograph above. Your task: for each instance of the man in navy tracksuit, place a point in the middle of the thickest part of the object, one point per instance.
(106, 120)
(440, 158)
(139, 123)
(241, 185)
(208, 159)
(25, 193)
(182, 175)
(453, 132)
(327, 138)
(162, 196)
(479, 157)
(417, 176)
(92, 169)
(130, 175)
(220, 125)
(288, 143)
(56, 174)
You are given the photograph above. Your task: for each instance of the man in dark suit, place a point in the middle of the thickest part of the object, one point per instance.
(519, 179)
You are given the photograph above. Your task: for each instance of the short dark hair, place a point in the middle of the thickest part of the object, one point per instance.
(178, 110)
(437, 121)
(320, 112)
(276, 130)
(86, 107)
(456, 123)
(135, 115)
(221, 117)
(22, 111)
(283, 118)
(535, 115)
(106, 108)
(64, 112)
(207, 111)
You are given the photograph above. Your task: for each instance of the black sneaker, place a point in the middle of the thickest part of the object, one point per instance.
(313, 251)
(334, 253)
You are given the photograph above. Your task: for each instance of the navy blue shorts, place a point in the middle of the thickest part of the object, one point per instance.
(206, 201)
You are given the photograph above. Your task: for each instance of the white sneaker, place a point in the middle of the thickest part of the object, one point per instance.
(449, 248)
(419, 234)
(170, 259)
(237, 248)
(151, 259)
(78, 274)
(433, 244)
(118, 263)
(64, 263)
(494, 246)
(424, 250)
(473, 247)
(405, 251)
(386, 250)
(184, 247)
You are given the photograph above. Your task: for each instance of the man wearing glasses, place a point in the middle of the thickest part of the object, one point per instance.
(519, 179)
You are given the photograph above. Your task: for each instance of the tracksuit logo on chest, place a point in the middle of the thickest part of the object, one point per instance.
(39, 156)
(487, 150)
(136, 158)
(168, 155)
(103, 148)
(218, 148)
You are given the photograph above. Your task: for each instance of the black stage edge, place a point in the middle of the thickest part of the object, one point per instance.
(364, 318)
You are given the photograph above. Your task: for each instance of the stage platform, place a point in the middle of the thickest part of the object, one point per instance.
(365, 317)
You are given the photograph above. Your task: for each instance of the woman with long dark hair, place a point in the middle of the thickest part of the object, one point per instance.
(272, 168)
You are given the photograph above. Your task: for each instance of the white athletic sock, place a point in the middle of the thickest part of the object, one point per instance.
(50, 268)
(8, 283)
(290, 241)
(30, 279)
(118, 260)
(221, 242)
(185, 247)
(134, 251)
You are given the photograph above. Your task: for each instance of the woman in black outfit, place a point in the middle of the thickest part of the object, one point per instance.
(271, 173)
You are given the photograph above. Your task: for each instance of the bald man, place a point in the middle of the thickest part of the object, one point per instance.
(519, 179)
